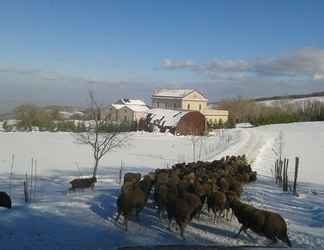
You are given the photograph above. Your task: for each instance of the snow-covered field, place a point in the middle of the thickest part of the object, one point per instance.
(61, 220)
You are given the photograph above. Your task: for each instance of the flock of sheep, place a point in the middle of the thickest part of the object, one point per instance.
(182, 191)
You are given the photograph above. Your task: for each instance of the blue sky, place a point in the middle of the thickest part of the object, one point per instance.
(54, 51)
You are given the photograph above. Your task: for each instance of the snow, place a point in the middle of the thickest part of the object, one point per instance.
(131, 102)
(169, 117)
(138, 108)
(57, 151)
(173, 92)
(299, 101)
(303, 140)
(84, 220)
(118, 106)
(134, 105)
(244, 125)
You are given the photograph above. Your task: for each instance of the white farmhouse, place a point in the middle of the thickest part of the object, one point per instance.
(126, 110)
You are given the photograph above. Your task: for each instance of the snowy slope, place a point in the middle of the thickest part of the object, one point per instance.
(58, 152)
(61, 220)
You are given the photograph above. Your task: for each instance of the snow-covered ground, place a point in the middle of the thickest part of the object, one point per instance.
(60, 220)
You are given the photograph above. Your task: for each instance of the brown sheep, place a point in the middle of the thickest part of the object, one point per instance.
(265, 223)
(223, 185)
(162, 178)
(129, 180)
(132, 177)
(5, 200)
(235, 186)
(133, 199)
(183, 208)
(83, 183)
(161, 198)
(216, 201)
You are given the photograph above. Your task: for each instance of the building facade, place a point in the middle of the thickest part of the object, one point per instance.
(187, 99)
(125, 110)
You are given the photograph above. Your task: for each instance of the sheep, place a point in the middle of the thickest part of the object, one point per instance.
(134, 198)
(182, 207)
(129, 180)
(262, 222)
(162, 177)
(132, 177)
(83, 183)
(5, 200)
(235, 186)
(216, 201)
(253, 176)
(223, 184)
(161, 199)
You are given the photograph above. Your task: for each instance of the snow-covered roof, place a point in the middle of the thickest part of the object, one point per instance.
(173, 92)
(166, 117)
(118, 106)
(138, 108)
(127, 101)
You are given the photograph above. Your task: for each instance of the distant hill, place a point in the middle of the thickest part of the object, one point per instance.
(273, 98)
(315, 96)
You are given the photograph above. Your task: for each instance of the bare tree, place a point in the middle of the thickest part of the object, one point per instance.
(278, 147)
(100, 142)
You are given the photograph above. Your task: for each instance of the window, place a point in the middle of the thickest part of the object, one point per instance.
(188, 106)
(175, 105)
(125, 118)
(158, 104)
(199, 106)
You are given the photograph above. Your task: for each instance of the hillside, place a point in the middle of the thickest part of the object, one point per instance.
(284, 97)
(84, 220)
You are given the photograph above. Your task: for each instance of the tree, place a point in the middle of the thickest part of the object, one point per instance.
(27, 114)
(101, 142)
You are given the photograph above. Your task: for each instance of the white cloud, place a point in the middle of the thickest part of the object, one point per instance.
(305, 63)
(318, 77)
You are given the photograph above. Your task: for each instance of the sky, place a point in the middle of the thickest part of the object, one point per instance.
(54, 52)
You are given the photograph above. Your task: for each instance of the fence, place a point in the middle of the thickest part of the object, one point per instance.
(281, 175)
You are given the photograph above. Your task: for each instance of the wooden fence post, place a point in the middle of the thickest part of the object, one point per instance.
(276, 172)
(31, 180)
(296, 175)
(285, 175)
(120, 172)
(280, 171)
(26, 189)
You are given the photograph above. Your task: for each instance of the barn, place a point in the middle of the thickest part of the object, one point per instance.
(178, 122)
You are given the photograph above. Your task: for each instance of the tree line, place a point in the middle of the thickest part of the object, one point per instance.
(245, 110)
(30, 116)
